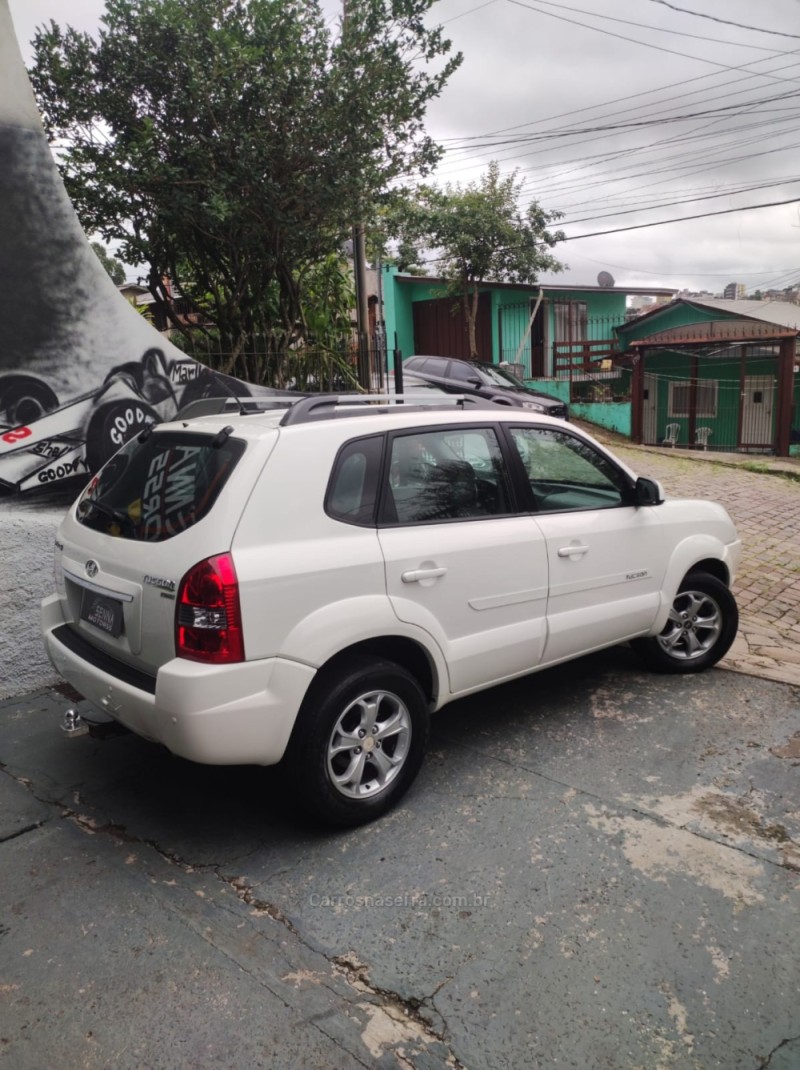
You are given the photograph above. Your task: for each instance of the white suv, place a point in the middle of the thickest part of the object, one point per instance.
(308, 580)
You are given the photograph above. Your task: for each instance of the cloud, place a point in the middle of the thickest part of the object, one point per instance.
(527, 71)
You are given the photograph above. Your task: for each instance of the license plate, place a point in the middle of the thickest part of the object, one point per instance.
(103, 612)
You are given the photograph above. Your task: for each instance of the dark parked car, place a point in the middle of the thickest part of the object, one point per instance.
(486, 380)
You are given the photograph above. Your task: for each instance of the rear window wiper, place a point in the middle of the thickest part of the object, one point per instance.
(113, 514)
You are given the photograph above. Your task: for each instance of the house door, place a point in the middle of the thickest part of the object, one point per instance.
(650, 409)
(758, 403)
(441, 331)
(538, 364)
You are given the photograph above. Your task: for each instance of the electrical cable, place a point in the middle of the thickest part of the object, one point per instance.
(727, 22)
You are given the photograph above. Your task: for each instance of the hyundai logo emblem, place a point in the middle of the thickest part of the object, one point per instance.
(91, 568)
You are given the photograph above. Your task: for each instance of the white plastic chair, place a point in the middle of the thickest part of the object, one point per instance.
(671, 435)
(701, 436)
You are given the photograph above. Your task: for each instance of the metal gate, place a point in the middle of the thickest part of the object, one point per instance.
(758, 409)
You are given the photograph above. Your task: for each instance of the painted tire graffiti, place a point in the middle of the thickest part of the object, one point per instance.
(24, 399)
(145, 377)
(111, 425)
(44, 441)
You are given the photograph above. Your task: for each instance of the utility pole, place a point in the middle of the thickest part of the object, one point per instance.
(360, 277)
(362, 306)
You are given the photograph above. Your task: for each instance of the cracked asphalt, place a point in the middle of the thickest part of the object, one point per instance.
(597, 868)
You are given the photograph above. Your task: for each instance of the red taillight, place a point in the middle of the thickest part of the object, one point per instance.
(208, 621)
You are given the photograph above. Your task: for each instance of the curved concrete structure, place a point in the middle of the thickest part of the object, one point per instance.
(80, 370)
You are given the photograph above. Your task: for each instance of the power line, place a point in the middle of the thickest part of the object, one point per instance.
(671, 204)
(664, 29)
(622, 37)
(726, 22)
(471, 10)
(618, 100)
(641, 226)
(729, 110)
(672, 166)
(680, 274)
(681, 219)
(575, 180)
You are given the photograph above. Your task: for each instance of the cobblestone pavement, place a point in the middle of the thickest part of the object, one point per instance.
(765, 506)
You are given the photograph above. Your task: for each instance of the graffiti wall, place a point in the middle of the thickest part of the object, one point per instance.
(81, 371)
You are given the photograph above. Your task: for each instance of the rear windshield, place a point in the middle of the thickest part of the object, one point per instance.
(153, 489)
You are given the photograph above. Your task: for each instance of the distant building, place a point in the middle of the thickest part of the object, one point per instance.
(734, 291)
(694, 293)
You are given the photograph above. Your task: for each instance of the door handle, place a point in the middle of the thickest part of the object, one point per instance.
(417, 574)
(569, 551)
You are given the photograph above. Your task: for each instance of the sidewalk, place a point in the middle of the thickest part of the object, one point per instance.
(762, 494)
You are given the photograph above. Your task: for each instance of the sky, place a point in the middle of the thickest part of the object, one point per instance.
(619, 115)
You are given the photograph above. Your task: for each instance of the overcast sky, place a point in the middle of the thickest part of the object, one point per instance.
(712, 113)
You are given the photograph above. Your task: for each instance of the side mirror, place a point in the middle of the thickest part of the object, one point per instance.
(648, 491)
(475, 380)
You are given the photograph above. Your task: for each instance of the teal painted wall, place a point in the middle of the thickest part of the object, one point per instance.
(613, 415)
(604, 310)
(557, 388)
(397, 310)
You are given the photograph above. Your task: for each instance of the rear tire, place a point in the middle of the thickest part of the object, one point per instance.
(111, 425)
(24, 399)
(359, 741)
(700, 629)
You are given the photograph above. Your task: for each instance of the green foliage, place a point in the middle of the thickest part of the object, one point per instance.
(114, 268)
(328, 299)
(230, 144)
(481, 234)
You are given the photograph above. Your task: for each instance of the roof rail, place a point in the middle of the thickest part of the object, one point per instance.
(216, 405)
(327, 406)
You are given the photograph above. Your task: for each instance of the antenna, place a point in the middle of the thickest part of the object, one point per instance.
(221, 380)
(605, 279)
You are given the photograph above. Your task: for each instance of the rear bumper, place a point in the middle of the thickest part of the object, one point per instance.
(215, 714)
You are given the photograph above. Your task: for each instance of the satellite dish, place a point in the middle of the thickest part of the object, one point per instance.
(605, 279)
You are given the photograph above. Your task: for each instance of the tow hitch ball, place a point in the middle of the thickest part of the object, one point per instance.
(72, 725)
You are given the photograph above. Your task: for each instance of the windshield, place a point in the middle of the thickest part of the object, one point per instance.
(498, 377)
(156, 488)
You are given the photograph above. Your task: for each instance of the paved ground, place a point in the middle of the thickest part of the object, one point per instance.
(762, 494)
(596, 869)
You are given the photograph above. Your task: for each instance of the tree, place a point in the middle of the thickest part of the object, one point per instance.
(229, 145)
(110, 263)
(480, 233)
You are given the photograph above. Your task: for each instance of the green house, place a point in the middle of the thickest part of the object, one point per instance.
(714, 374)
(544, 328)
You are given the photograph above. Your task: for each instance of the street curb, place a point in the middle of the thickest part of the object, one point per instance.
(618, 441)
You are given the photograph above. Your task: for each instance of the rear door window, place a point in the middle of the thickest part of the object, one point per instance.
(154, 489)
(446, 474)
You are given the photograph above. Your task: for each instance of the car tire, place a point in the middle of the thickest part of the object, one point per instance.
(700, 629)
(24, 399)
(340, 780)
(111, 425)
